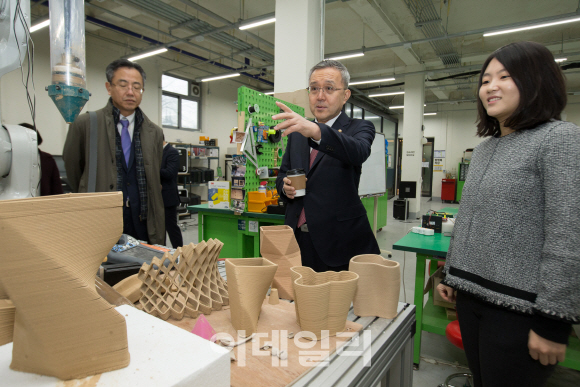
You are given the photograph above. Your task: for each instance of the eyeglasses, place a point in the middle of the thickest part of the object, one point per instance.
(136, 87)
(328, 90)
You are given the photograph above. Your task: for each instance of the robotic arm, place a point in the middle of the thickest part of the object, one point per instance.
(19, 159)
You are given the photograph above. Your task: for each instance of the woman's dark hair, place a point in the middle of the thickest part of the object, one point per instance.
(539, 80)
(115, 65)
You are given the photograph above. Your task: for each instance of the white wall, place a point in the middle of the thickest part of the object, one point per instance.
(454, 132)
(218, 114)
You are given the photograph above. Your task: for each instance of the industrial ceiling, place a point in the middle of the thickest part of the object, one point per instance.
(441, 38)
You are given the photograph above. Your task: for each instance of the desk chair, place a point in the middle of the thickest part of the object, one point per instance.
(453, 334)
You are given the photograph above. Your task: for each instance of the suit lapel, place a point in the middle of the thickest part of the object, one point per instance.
(304, 153)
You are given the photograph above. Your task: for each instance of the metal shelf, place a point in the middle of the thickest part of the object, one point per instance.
(194, 146)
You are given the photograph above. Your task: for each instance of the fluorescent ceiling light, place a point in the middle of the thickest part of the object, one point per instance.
(39, 26)
(372, 81)
(531, 27)
(258, 23)
(269, 93)
(560, 59)
(400, 107)
(429, 114)
(385, 94)
(220, 77)
(145, 55)
(345, 56)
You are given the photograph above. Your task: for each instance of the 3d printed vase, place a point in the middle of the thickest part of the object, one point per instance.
(378, 289)
(190, 287)
(278, 245)
(52, 247)
(322, 299)
(248, 283)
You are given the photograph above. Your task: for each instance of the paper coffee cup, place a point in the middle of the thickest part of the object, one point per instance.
(298, 181)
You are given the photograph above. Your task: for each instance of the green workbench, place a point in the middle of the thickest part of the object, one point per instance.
(431, 318)
(240, 234)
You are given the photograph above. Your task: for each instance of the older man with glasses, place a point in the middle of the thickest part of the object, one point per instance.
(129, 149)
(330, 221)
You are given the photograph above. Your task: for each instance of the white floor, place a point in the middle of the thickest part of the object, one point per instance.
(439, 358)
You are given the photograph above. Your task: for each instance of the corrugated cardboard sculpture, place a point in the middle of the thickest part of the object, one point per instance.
(248, 281)
(379, 285)
(190, 285)
(279, 246)
(52, 248)
(322, 299)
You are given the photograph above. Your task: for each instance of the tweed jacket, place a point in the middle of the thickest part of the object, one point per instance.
(517, 234)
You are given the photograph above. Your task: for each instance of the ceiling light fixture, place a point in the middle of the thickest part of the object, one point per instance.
(214, 78)
(346, 56)
(372, 81)
(531, 27)
(429, 114)
(145, 55)
(398, 107)
(269, 93)
(560, 59)
(386, 94)
(39, 25)
(257, 23)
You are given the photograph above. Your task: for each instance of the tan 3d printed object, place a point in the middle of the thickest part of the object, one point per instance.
(130, 288)
(248, 281)
(274, 300)
(190, 287)
(377, 293)
(52, 248)
(278, 245)
(6, 321)
(322, 299)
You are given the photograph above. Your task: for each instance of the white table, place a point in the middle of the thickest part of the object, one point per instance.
(161, 355)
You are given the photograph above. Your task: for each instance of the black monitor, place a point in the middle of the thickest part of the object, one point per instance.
(408, 190)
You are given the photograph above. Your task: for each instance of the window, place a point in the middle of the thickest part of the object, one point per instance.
(357, 112)
(180, 103)
(348, 109)
(376, 120)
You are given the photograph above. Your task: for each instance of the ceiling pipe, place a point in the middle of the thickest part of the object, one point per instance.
(124, 45)
(174, 49)
(161, 44)
(409, 43)
(223, 20)
(229, 26)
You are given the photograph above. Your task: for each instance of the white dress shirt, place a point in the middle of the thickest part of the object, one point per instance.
(131, 128)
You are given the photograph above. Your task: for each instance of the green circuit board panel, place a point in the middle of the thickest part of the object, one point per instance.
(272, 152)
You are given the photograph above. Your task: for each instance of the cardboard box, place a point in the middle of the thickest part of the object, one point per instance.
(432, 283)
(218, 194)
(298, 97)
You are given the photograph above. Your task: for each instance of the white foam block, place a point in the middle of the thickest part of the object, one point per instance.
(161, 355)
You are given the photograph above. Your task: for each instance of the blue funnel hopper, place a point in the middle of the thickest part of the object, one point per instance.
(69, 100)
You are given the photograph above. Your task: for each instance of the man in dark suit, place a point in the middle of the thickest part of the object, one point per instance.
(169, 170)
(330, 221)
